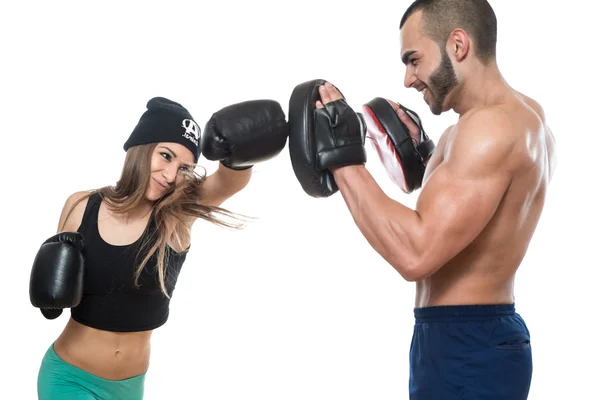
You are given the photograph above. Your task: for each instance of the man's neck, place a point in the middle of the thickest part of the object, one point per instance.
(484, 87)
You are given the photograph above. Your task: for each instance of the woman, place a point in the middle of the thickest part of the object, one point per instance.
(124, 246)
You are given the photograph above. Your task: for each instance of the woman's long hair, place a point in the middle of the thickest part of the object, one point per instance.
(173, 214)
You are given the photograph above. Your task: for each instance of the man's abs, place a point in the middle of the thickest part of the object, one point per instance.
(483, 273)
(108, 355)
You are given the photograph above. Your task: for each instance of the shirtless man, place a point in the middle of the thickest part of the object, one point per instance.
(482, 194)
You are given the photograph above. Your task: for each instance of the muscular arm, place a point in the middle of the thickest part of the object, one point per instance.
(455, 204)
(223, 184)
(438, 155)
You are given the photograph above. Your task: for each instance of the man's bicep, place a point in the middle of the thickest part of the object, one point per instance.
(438, 155)
(463, 193)
(454, 209)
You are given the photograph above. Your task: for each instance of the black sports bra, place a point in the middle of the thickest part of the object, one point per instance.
(111, 300)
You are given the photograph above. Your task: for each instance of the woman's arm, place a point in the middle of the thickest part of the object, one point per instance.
(223, 184)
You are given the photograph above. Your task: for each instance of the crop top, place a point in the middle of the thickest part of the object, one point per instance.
(111, 300)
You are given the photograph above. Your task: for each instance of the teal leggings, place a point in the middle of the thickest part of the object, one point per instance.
(58, 379)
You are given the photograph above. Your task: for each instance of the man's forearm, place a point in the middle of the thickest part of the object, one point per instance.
(391, 228)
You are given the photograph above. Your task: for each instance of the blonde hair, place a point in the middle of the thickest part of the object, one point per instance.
(173, 213)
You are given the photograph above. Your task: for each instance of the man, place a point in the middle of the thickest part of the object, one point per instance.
(481, 197)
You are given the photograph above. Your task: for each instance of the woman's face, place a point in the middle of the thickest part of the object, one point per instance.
(170, 162)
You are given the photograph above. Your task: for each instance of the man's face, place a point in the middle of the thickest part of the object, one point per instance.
(428, 70)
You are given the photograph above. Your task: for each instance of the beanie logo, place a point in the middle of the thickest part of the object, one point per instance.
(192, 130)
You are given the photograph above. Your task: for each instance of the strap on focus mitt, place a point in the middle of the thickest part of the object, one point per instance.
(404, 157)
(324, 138)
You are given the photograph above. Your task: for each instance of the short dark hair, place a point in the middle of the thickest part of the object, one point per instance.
(441, 17)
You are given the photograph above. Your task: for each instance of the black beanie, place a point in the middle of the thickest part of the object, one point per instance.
(166, 121)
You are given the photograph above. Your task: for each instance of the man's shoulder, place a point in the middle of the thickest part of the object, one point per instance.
(485, 140)
(533, 105)
(488, 123)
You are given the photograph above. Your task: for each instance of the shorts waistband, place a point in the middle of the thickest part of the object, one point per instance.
(63, 367)
(463, 312)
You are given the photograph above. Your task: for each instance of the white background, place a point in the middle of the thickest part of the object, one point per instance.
(298, 305)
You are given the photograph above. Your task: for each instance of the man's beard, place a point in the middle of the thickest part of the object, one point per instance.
(441, 82)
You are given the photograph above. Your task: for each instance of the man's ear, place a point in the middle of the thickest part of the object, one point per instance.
(459, 44)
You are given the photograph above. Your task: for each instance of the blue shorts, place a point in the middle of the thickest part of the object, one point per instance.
(470, 352)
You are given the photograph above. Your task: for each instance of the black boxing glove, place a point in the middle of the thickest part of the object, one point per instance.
(56, 280)
(322, 138)
(243, 134)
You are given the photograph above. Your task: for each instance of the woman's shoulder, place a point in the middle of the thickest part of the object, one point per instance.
(73, 210)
